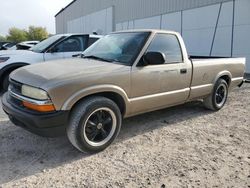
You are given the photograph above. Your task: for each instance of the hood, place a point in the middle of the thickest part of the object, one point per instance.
(52, 73)
(15, 52)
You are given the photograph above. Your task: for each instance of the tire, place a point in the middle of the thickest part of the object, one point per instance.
(218, 98)
(94, 124)
(5, 82)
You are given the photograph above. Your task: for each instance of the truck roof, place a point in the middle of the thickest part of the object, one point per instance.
(147, 30)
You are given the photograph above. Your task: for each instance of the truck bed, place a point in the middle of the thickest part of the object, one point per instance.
(206, 69)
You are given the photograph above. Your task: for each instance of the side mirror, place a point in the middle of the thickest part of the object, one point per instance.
(154, 58)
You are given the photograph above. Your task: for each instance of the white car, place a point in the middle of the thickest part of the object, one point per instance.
(24, 45)
(56, 47)
(7, 45)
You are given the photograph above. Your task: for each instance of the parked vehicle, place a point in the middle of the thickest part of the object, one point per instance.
(26, 45)
(121, 75)
(55, 47)
(2, 43)
(7, 45)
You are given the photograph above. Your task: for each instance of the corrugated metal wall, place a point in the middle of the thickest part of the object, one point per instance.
(125, 10)
(100, 22)
(209, 27)
(135, 9)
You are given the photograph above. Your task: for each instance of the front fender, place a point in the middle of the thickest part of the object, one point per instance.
(69, 103)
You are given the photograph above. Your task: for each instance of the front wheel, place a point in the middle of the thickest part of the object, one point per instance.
(94, 124)
(218, 98)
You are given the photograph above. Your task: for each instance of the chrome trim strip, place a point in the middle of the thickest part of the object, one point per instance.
(237, 79)
(159, 94)
(201, 86)
(32, 101)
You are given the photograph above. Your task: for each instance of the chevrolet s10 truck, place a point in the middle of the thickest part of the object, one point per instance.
(121, 75)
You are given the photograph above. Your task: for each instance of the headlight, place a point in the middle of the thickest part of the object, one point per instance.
(3, 59)
(34, 93)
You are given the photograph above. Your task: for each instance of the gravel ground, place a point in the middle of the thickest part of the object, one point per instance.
(184, 146)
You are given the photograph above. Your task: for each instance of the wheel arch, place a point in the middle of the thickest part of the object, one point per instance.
(225, 75)
(9, 68)
(113, 93)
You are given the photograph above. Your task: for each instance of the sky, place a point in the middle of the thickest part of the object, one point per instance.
(23, 13)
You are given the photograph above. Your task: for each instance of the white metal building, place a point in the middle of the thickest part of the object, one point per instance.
(209, 27)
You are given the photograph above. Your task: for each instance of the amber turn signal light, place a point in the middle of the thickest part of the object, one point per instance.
(39, 108)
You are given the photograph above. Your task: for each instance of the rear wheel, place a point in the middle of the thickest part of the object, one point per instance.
(219, 96)
(94, 124)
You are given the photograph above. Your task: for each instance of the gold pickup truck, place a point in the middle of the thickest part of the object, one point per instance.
(121, 75)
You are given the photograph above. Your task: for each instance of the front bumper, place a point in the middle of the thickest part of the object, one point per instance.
(43, 124)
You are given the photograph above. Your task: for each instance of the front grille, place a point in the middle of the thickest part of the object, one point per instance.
(15, 87)
(15, 101)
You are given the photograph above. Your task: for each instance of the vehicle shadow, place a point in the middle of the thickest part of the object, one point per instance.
(167, 117)
(24, 154)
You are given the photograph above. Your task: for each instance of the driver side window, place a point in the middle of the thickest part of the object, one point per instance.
(169, 45)
(72, 44)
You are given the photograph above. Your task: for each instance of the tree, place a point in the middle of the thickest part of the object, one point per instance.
(16, 35)
(33, 33)
(37, 33)
(2, 39)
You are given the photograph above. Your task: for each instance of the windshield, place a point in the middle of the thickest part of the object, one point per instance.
(41, 46)
(118, 47)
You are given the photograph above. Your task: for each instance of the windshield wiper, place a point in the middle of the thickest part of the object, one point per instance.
(99, 58)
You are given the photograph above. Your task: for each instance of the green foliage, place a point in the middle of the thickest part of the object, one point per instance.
(33, 33)
(37, 33)
(2, 39)
(16, 35)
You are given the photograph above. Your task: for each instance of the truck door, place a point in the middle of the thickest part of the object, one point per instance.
(162, 85)
(67, 48)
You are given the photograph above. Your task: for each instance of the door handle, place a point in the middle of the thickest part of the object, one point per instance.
(174, 70)
(183, 71)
